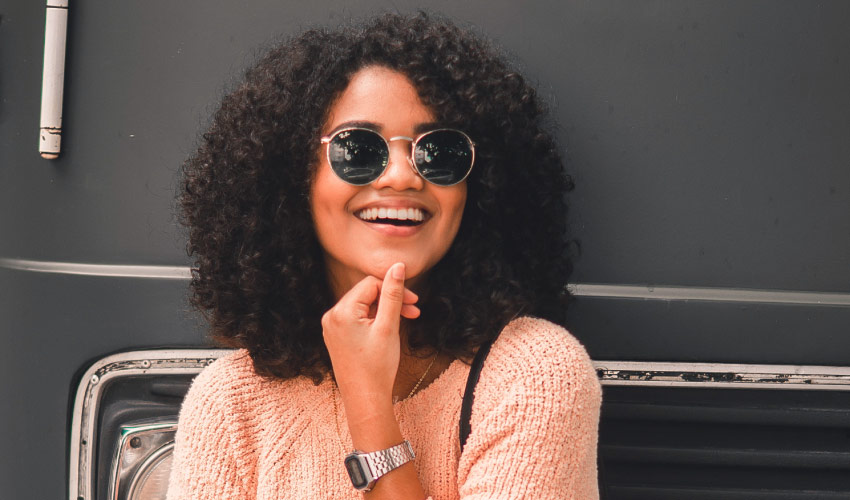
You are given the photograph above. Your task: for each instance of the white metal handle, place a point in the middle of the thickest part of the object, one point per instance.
(53, 78)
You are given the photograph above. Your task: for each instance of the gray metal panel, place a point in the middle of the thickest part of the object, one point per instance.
(692, 330)
(708, 141)
(52, 326)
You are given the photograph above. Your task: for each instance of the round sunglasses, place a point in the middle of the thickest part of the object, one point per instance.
(359, 156)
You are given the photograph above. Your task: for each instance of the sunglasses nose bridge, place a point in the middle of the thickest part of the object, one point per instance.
(395, 175)
(409, 154)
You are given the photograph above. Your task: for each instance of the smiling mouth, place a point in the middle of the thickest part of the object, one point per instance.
(393, 216)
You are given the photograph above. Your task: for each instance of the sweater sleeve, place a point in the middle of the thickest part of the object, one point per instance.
(534, 420)
(208, 463)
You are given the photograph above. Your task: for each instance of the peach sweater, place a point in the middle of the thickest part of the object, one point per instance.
(534, 428)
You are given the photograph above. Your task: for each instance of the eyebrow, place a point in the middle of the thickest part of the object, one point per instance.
(417, 129)
(424, 127)
(355, 124)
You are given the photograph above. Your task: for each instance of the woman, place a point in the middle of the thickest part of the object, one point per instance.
(368, 208)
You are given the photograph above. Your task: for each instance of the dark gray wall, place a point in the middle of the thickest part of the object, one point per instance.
(709, 142)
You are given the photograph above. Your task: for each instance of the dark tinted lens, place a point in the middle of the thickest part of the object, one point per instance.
(358, 156)
(443, 157)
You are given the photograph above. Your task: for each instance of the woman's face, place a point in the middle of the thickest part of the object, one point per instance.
(385, 101)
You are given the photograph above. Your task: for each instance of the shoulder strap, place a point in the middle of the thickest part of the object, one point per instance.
(468, 393)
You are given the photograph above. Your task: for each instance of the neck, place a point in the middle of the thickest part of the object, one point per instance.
(415, 373)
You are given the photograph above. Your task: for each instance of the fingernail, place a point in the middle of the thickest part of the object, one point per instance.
(398, 271)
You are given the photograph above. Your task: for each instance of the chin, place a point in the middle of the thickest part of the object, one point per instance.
(412, 269)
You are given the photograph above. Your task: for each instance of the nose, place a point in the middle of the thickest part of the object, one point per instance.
(400, 173)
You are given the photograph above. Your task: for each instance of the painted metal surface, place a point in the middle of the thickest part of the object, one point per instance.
(707, 141)
(694, 166)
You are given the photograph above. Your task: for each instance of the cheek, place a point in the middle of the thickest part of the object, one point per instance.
(328, 202)
(457, 203)
(452, 204)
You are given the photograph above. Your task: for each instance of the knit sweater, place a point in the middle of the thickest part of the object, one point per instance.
(534, 428)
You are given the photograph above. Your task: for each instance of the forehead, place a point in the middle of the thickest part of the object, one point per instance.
(383, 97)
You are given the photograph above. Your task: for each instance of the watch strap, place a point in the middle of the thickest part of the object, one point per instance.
(375, 464)
(383, 461)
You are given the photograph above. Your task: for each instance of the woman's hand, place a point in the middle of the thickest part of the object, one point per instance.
(361, 333)
(362, 336)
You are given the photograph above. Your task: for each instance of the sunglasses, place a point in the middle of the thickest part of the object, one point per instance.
(359, 156)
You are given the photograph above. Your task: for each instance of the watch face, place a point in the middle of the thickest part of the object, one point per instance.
(355, 472)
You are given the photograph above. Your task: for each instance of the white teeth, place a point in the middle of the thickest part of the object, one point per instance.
(414, 214)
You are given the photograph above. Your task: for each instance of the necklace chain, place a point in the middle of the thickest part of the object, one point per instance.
(422, 378)
(336, 410)
(336, 420)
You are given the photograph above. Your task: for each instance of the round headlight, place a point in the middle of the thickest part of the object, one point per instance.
(151, 480)
(142, 462)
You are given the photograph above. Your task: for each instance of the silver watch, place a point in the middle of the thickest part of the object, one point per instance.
(365, 469)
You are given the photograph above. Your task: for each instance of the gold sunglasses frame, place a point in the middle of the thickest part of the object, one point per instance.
(326, 140)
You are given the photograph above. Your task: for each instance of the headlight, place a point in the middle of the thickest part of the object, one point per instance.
(142, 461)
(124, 421)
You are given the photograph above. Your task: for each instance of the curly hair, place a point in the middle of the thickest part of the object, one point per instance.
(259, 274)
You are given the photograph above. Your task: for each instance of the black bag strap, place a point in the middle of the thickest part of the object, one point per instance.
(468, 393)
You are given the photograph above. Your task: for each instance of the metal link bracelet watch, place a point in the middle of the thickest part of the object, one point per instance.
(365, 469)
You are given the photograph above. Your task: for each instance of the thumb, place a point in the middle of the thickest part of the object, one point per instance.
(392, 296)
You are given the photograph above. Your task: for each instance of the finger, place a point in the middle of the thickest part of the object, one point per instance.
(392, 297)
(360, 298)
(410, 311)
(410, 297)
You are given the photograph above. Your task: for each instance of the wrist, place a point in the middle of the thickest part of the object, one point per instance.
(362, 393)
(364, 469)
(374, 431)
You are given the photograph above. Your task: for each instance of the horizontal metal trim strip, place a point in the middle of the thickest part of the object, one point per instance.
(657, 493)
(711, 294)
(725, 457)
(704, 415)
(726, 375)
(108, 270)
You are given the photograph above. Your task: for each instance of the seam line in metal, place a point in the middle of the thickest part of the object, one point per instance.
(710, 294)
